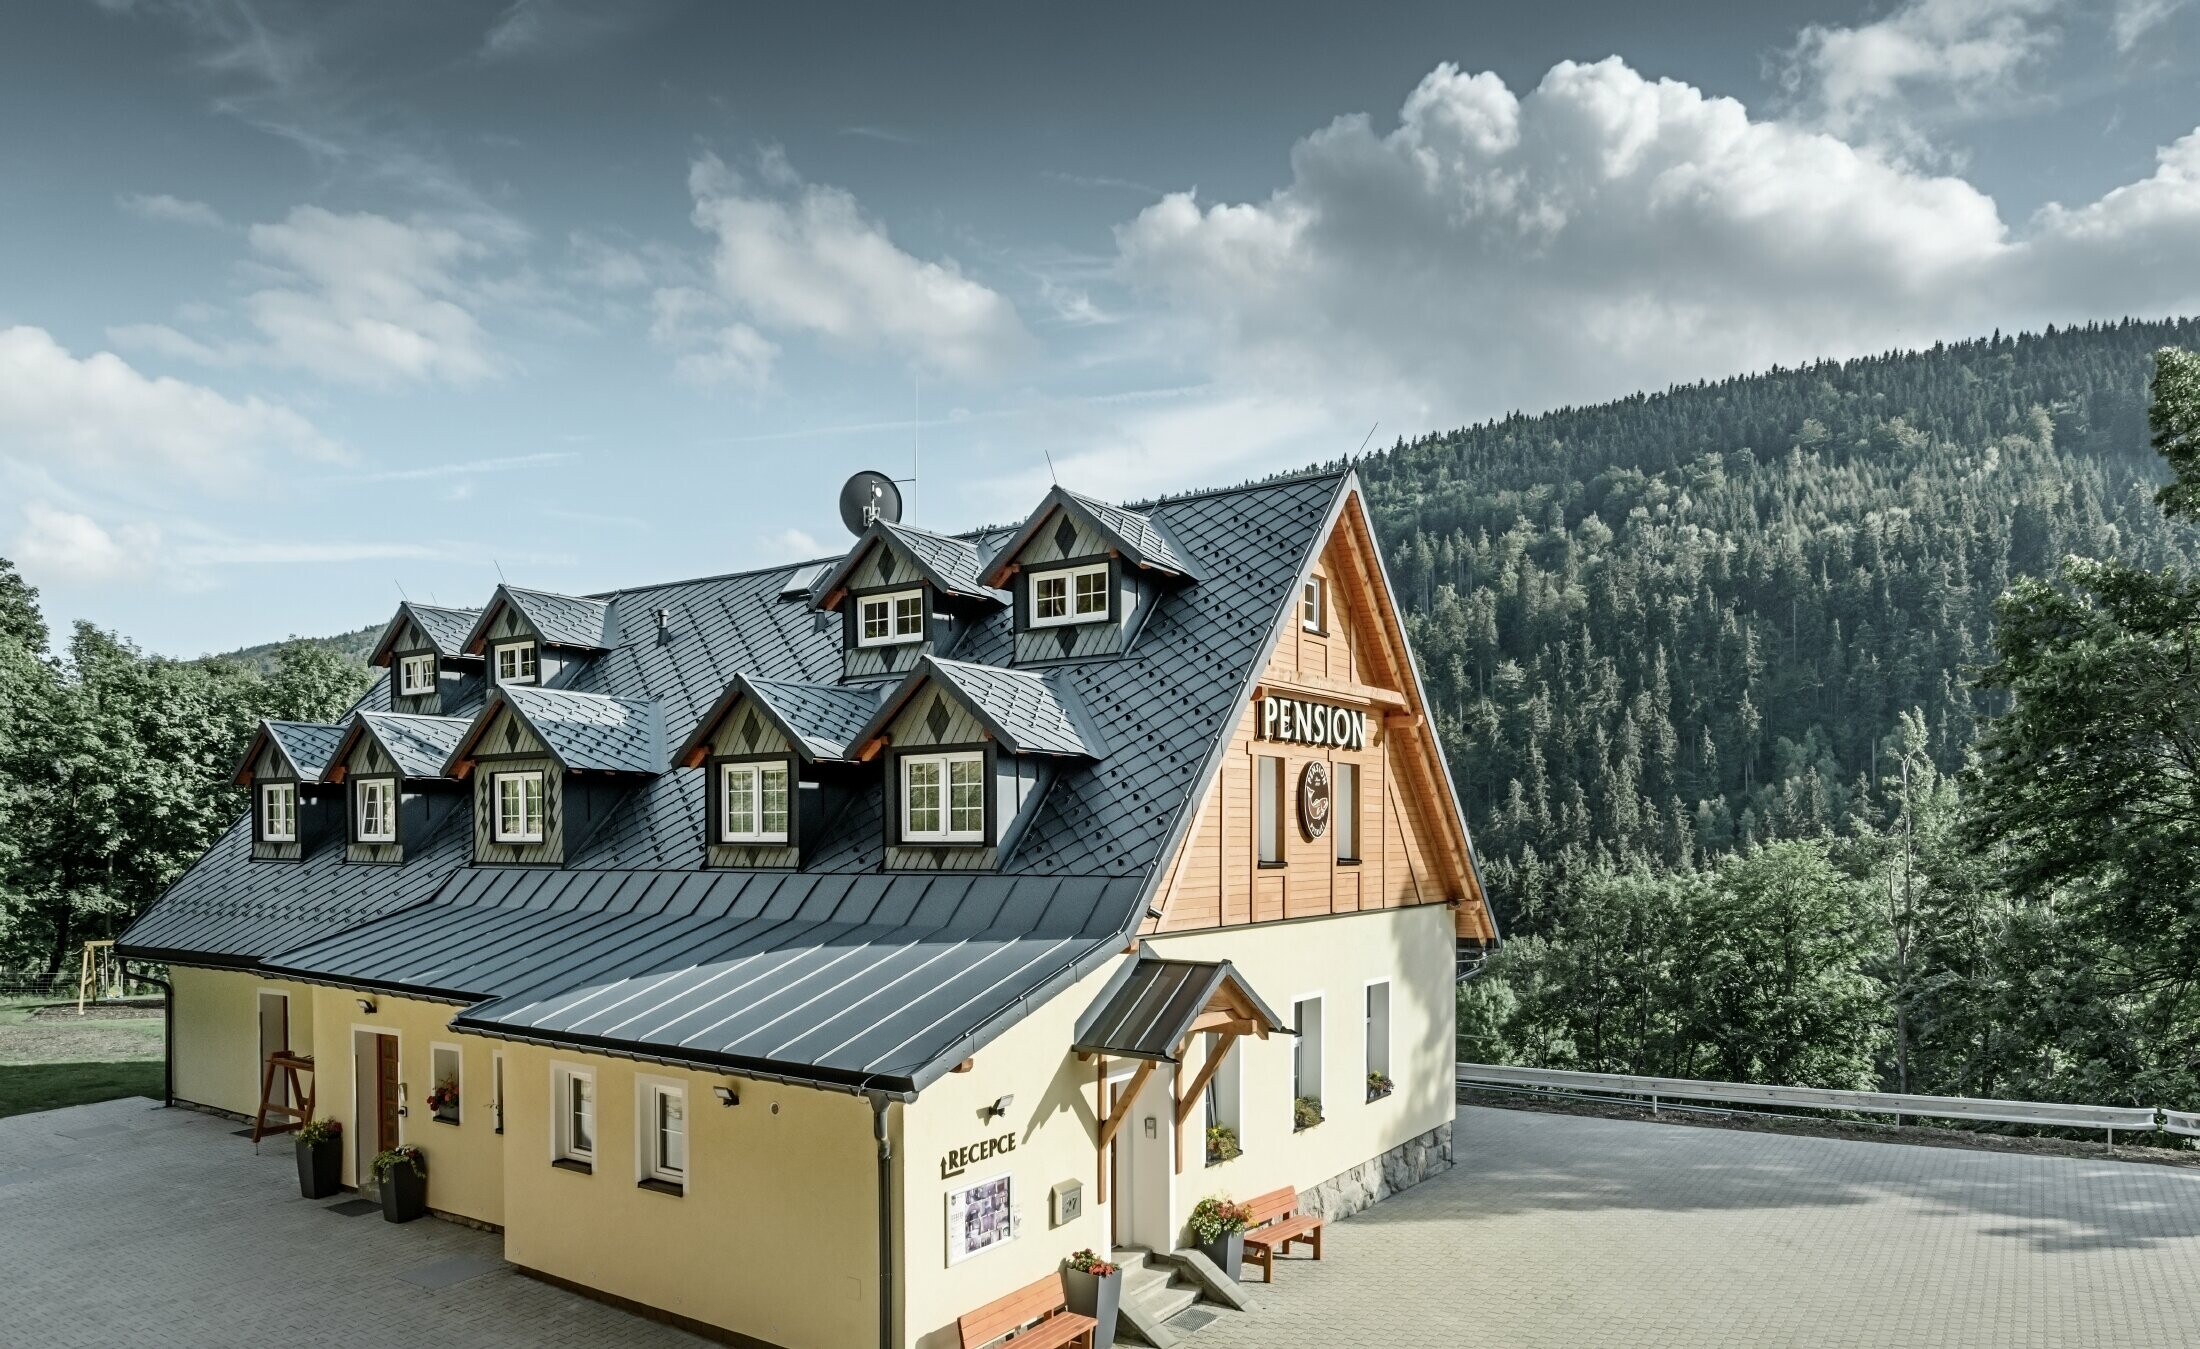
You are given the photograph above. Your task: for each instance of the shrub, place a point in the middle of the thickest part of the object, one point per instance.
(315, 1132)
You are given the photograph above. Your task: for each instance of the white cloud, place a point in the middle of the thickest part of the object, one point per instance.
(1606, 233)
(161, 207)
(793, 543)
(1870, 79)
(2132, 20)
(98, 414)
(62, 545)
(796, 257)
(538, 28)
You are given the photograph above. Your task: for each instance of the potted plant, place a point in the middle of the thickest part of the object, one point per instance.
(320, 1158)
(1222, 1144)
(1379, 1085)
(1094, 1287)
(1218, 1230)
(443, 1102)
(1306, 1112)
(402, 1173)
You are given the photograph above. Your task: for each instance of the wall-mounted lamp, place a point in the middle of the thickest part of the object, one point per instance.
(367, 1005)
(999, 1108)
(726, 1095)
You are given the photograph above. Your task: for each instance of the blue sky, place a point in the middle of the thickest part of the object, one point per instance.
(300, 305)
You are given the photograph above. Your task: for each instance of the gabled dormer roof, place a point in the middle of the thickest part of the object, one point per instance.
(572, 621)
(446, 630)
(584, 732)
(950, 566)
(1142, 540)
(306, 746)
(1026, 711)
(822, 721)
(419, 746)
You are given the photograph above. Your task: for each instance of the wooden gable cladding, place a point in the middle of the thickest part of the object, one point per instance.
(270, 766)
(937, 720)
(411, 641)
(368, 759)
(1064, 541)
(506, 745)
(746, 735)
(1412, 846)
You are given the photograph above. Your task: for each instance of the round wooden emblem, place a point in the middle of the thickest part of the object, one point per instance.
(1314, 799)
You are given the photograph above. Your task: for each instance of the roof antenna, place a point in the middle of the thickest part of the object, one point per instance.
(500, 566)
(1057, 478)
(916, 447)
(401, 590)
(1363, 443)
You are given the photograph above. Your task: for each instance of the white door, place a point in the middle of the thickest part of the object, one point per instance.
(1145, 1163)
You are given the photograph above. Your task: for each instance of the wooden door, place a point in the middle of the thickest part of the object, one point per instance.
(385, 1092)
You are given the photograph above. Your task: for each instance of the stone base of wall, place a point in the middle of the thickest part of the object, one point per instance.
(1378, 1178)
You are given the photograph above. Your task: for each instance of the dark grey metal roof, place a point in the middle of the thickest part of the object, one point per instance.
(419, 746)
(1149, 1007)
(951, 565)
(1022, 708)
(590, 732)
(935, 963)
(822, 720)
(581, 622)
(305, 745)
(445, 628)
(1143, 540)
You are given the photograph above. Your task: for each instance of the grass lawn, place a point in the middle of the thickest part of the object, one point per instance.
(25, 1087)
(49, 1062)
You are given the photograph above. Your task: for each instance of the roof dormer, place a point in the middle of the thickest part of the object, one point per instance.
(530, 636)
(283, 767)
(777, 759)
(901, 594)
(969, 750)
(389, 771)
(1084, 575)
(552, 763)
(424, 649)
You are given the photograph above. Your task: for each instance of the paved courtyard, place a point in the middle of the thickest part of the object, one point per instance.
(123, 1224)
(1561, 1230)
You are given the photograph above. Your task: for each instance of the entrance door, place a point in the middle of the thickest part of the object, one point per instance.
(385, 1093)
(374, 1100)
(1145, 1163)
(274, 1038)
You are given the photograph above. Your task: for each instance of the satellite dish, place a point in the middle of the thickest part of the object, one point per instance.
(866, 497)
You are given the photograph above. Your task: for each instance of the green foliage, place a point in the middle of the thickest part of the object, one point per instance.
(1306, 1112)
(2174, 419)
(404, 1154)
(1216, 1217)
(1222, 1144)
(320, 1129)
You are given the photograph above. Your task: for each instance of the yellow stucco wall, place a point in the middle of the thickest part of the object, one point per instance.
(218, 1034)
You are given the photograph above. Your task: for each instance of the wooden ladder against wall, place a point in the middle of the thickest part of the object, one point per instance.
(276, 1100)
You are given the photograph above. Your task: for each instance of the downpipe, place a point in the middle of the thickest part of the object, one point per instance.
(168, 1031)
(879, 1102)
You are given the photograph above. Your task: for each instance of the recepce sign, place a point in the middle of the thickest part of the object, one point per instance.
(960, 1160)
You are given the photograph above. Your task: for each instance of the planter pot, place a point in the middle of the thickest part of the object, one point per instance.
(1097, 1297)
(1227, 1251)
(404, 1195)
(321, 1168)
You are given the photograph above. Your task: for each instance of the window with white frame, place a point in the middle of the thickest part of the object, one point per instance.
(1072, 595)
(1345, 811)
(1313, 605)
(943, 797)
(416, 675)
(516, 663)
(1268, 808)
(279, 812)
(1306, 1058)
(443, 1088)
(1378, 1040)
(1222, 1105)
(377, 806)
(752, 802)
(518, 807)
(573, 1131)
(663, 1132)
(885, 620)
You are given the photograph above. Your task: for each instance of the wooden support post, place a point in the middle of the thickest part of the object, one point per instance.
(1176, 1128)
(1100, 1118)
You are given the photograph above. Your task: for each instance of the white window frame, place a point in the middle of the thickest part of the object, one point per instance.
(1071, 613)
(1377, 1028)
(532, 673)
(436, 1050)
(1314, 605)
(754, 771)
(1344, 811)
(649, 1159)
(563, 1148)
(270, 792)
(497, 832)
(1303, 1044)
(946, 763)
(422, 665)
(1270, 777)
(895, 634)
(387, 789)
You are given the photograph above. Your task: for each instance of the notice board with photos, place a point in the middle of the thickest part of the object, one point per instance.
(980, 1216)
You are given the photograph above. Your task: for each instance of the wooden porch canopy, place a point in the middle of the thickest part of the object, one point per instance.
(1150, 1013)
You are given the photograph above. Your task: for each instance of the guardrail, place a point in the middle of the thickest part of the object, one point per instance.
(2130, 1119)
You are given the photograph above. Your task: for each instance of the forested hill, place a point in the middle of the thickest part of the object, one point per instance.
(1663, 627)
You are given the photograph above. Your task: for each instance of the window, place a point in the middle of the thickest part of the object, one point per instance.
(1306, 1062)
(752, 803)
(377, 810)
(1268, 810)
(1313, 605)
(573, 1133)
(1222, 1106)
(496, 1084)
(519, 807)
(1345, 811)
(443, 1093)
(416, 675)
(516, 663)
(943, 797)
(1075, 595)
(663, 1133)
(884, 620)
(1378, 1040)
(279, 812)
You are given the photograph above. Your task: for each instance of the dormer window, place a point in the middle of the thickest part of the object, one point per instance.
(519, 807)
(890, 619)
(1314, 606)
(377, 807)
(279, 812)
(943, 797)
(752, 801)
(516, 663)
(1073, 595)
(416, 675)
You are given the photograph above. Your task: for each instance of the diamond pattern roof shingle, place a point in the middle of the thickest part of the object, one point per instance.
(1142, 539)
(582, 622)
(594, 732)
(1021, 707)
(307, 745)
(952, 565)
(420, 746)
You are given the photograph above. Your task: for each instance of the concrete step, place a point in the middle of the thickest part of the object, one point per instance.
(1169, 1300)
(1142, 1277)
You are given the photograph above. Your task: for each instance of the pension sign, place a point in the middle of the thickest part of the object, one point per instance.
(1299, 722)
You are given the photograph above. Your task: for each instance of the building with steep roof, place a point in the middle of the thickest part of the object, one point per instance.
(814, 954)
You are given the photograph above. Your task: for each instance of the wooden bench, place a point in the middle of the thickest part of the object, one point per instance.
(1276, 1224)
(1037, 1315)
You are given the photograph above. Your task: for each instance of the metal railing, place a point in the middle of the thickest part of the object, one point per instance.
(2130, 1119)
